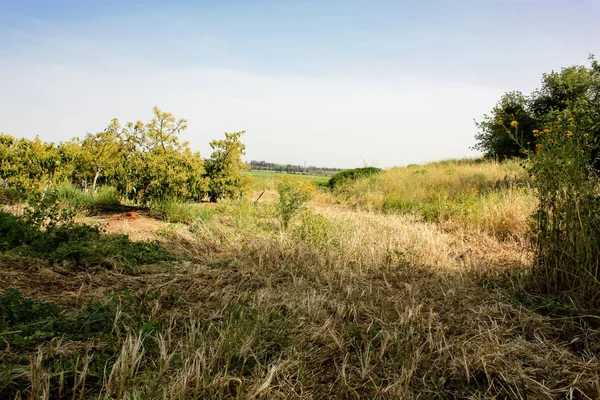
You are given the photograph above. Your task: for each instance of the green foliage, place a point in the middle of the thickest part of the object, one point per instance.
(567, 220)
(294, 192)
(223, 168)
(10, 196)
(575, 90)
(351, 174)
(48, 232)
(494, 138)
(144, 162)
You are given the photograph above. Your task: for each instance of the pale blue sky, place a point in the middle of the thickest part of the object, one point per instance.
(337, 83)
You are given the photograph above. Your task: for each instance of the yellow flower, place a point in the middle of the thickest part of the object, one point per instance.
(547, 130)
(569, 134)
(536, 131)
(586, 134)
(500, 122)
(514, 123)
(571, 119)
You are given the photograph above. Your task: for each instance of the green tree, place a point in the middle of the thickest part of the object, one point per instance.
(574, 90)
(223, 168)
(100, 152)
(494, 139)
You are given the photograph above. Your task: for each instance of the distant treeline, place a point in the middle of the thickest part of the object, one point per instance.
(292, 169)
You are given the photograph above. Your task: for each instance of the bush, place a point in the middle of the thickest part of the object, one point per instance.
(351, 174)
(316, 230)
(567, 220)
(294, 192)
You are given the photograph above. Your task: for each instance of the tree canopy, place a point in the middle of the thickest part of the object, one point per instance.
(572, 91)
(145, 162)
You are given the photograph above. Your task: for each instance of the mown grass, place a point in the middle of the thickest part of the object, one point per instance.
(345, 303)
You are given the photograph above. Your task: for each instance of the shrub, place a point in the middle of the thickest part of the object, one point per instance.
(294, 192)
(351, 174)
(316, 230)
(567, 220)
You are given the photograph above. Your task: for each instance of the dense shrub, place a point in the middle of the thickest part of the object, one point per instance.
(567, 220)
(351, 174)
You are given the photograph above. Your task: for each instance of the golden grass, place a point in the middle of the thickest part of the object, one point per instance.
(346, 303)
(482, 195)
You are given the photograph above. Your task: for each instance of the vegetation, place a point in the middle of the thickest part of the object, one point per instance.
(47, 232)
(291, 169)
(458, 279)
(351, 174)
(473, 194)
(567, 222)
(575, 90)
(293, 192)
(344, 303)
(224, 167)
(143, 162)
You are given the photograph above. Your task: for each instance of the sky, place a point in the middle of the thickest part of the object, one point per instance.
(337, 83)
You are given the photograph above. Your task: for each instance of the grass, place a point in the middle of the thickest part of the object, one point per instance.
(486, 196)
(73, 197)
(176, 212)
(266, 179)
(345, 303)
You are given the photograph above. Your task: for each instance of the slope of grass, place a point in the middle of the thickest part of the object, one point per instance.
(486, 195)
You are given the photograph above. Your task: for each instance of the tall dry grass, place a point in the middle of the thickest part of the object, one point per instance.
(483, 195)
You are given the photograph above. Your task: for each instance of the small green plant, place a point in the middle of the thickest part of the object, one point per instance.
(294, 192)
(316, 230)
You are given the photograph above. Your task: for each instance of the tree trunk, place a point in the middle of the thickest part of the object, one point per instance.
(95, 179)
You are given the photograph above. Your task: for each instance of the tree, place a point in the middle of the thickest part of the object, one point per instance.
(494, 137)
(100, 152)
(156, 165)
(574, 90)
(223, 168)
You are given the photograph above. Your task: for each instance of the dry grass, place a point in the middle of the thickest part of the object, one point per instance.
(361, 305)
(346, 303)
(487, 196)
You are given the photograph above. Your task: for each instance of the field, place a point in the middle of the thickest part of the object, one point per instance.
(410, 284)
(264, 179)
